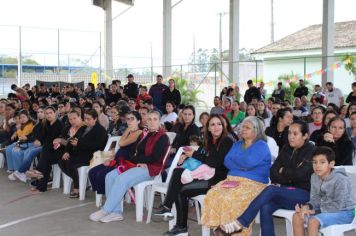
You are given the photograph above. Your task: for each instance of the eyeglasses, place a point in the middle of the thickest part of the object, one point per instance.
(130, 118)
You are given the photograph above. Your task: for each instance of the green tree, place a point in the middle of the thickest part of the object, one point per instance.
(351, 65)
(188, 96)
(290, 85)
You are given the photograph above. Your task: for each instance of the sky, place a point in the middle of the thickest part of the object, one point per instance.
(80, 24)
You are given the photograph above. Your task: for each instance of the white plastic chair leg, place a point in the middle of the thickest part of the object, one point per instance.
(56, 181)
(67, 183)
(197, 211)
(289, 227)
(205, 231)
(98, 199)
(2, 160)
(139, 197)
(151, 199)
(83, 177)
(127, 198)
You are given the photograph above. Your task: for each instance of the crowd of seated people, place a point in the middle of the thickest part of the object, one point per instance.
(233, 164)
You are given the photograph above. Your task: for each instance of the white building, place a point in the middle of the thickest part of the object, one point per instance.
(300, 53)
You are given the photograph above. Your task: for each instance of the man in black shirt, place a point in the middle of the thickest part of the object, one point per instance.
(131, 88)
(251, 92)
(279, 92)
(113, 96)
(301, 90)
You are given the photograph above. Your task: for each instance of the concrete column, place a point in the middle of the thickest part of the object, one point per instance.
(167, 38)
(234, 33)
(328, 40)
(108, 50)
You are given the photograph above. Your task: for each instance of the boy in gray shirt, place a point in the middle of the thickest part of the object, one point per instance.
(331, 197)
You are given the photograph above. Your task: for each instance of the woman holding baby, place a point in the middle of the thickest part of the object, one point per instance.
(216, 146)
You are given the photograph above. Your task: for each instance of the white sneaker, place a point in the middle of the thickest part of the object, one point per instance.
(11, 177)
(9, 171)
(112, 217)
(20, 176)
(96, 216)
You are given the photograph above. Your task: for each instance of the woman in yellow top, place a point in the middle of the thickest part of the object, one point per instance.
(20, 142)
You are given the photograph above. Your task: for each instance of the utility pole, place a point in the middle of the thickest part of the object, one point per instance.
(272, 23)
(194, 61)
(151, 63)
(221, 14)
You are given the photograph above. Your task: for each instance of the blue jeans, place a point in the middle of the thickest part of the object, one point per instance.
(29, 155)
(271, 199)
(116, 185)
(14, 155)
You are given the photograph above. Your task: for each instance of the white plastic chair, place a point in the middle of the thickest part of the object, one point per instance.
(140, 192)
(2, 160)
(162, 187)
(111, 140)
(273, 147)
(338, 230)
(56, 177)
(171, 136)
(199, 200)
(288, 216)
(83, 172)
(83, 177)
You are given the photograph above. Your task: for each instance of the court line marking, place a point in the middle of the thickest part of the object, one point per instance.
(11, 223)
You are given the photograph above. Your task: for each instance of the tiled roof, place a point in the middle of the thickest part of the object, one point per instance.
(311, 37)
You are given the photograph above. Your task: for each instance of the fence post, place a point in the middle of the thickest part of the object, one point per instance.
(19, 64)
(100, 78)
(215, 79)
(181, 71)
(305, 67)
(256, 62)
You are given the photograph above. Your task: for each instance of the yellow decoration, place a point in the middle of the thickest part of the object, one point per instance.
(94, 79)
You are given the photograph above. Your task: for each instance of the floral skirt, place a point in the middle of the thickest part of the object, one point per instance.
(222, 205)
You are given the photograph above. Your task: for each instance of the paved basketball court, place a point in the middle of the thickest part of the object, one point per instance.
(53, 213)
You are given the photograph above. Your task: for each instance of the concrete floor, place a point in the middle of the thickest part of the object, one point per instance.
(53, 213)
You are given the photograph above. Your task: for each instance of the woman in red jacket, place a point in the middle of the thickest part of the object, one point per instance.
(146, 163)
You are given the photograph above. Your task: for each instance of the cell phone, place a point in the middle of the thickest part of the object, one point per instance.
(230, 184)
(187, 148)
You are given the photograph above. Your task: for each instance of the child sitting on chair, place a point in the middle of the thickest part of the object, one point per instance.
(195, 169)
(331, 196)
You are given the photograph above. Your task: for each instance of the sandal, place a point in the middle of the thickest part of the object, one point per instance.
(34, 174)
(219, 232)
(74, 195)
(231, 228)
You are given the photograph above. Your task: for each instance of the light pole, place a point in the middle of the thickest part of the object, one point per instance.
(221, 14)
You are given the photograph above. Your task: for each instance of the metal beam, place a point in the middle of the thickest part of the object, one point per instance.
(177, 3)
(234, 40)
(108, 39)
(167, 38)
(328, 40)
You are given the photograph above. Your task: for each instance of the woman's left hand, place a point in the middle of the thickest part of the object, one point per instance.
(189, 153)
(74, 142)
(182, 159)
(66, 156)
(141, 165)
